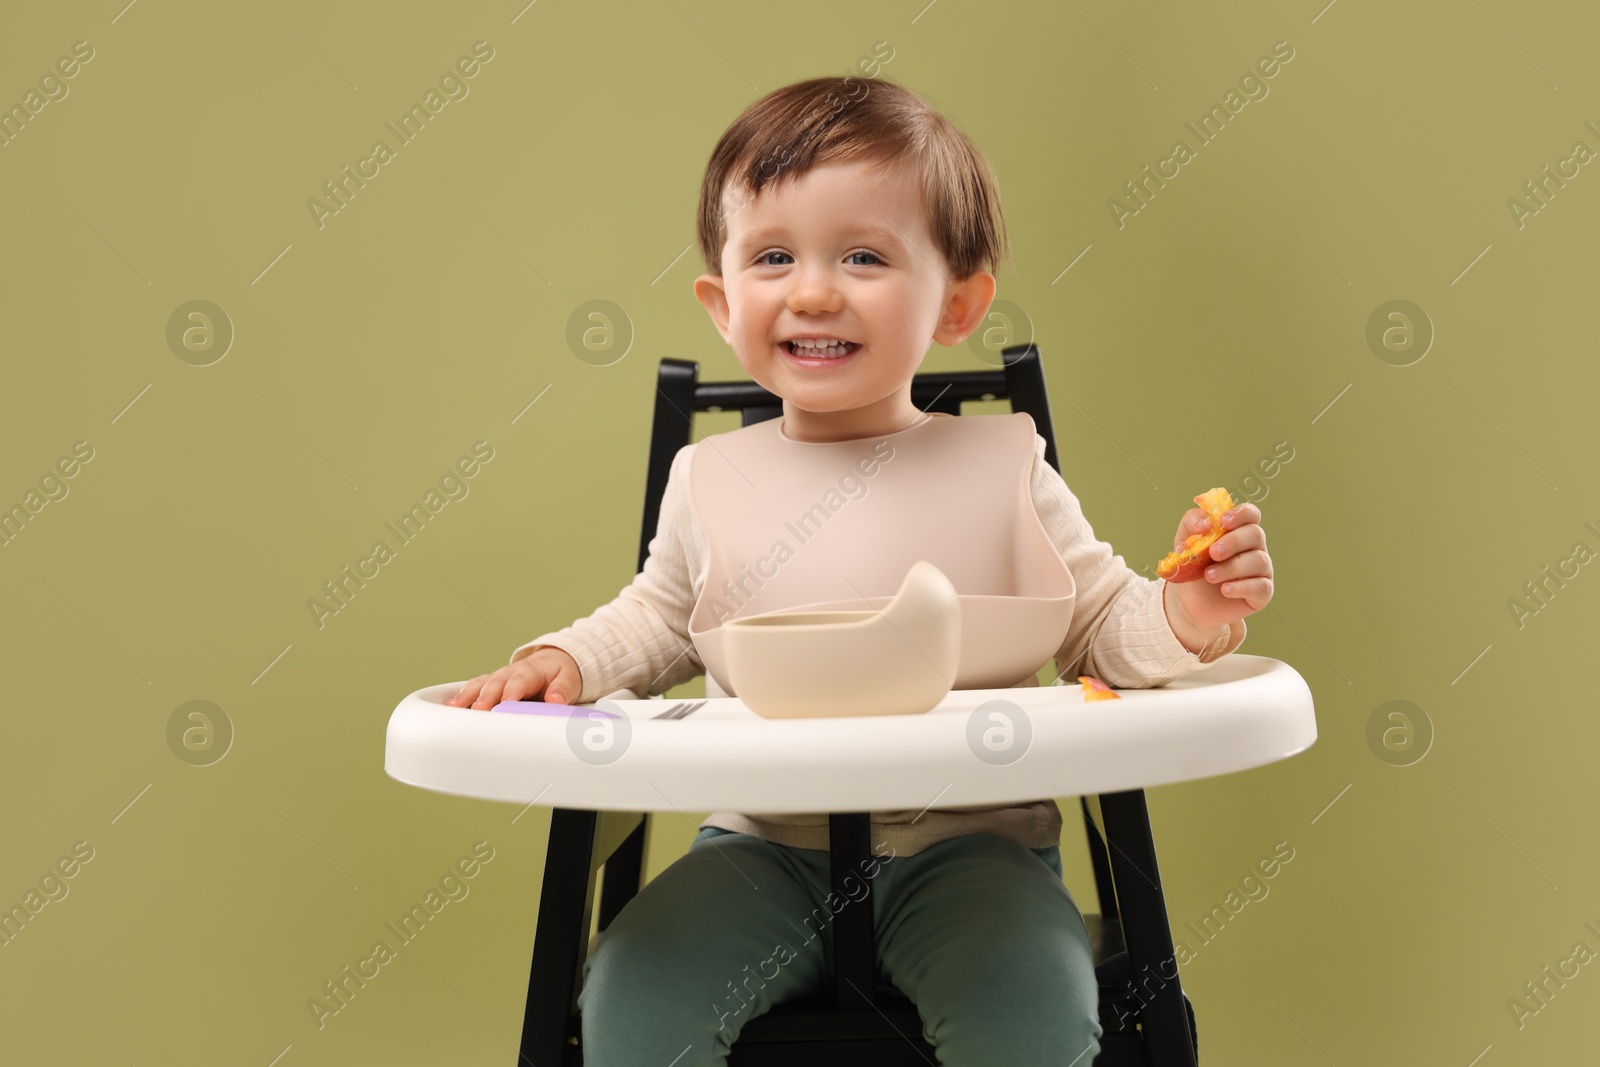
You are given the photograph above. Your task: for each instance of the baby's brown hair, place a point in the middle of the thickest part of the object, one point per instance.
(820, 121)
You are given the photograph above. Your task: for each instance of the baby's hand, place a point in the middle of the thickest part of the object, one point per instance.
(546, 670)
(1239, 582)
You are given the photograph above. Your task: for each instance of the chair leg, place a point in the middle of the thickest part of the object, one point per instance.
(1100, 860)
(850, 848)
(1163, 1018)
(566, 904)
(623, 874)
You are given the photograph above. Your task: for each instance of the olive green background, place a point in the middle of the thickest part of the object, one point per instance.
(1230, 314)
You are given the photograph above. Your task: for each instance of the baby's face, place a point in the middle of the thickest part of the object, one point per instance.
(838, 253)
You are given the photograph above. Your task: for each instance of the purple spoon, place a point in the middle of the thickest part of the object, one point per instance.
(539, 707)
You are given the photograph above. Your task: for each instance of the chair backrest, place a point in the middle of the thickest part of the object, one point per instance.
(680, 394)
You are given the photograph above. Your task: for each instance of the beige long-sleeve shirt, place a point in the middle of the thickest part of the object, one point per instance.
(638, 645)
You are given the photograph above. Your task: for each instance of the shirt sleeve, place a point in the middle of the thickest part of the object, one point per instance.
(1119, 631)
(639, 641)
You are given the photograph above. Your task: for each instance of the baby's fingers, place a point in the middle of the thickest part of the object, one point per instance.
(527, 681)
(468, 692)
(1195, 521)
(1241, 515)
(489, 696)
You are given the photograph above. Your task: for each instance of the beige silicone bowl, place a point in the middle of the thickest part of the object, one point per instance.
(819, 664)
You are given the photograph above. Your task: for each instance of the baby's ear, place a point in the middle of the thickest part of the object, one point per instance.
(712, 293)
(966, 304)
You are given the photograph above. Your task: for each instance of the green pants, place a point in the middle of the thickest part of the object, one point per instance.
(978, 931)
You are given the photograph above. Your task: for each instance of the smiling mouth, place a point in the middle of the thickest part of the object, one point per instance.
(831, 352)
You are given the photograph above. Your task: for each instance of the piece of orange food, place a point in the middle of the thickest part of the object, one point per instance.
(1095, 689)
(1215, 502)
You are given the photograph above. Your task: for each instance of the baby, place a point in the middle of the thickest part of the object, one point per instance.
(847, 225)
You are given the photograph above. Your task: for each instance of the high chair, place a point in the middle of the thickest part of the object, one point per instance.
(859, 1021)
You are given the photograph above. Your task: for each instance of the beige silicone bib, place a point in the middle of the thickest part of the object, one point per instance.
(837, 526)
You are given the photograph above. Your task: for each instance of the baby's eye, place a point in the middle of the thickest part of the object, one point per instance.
(765, 258)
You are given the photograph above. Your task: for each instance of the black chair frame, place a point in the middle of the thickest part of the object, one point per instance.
(1147, 1020)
